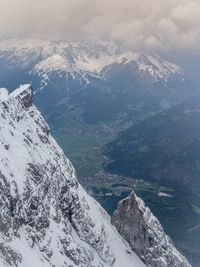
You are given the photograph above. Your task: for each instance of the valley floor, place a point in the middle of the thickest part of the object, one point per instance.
(178, 212)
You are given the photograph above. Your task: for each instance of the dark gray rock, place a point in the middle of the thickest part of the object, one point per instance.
(142, 230)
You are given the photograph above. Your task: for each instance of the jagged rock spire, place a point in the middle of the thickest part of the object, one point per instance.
(145, 235)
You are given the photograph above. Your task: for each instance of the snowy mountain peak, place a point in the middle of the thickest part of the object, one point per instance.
(155, 66)
(46, 218)
(80, 59)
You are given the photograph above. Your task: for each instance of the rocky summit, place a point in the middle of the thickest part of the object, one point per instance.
(145, 235)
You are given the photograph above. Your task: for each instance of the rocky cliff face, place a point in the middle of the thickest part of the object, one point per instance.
(143, 232)
(46, 218)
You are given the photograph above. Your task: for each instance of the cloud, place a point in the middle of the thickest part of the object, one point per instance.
(140, 24)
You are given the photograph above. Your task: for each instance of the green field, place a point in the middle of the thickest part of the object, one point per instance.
(84, 152)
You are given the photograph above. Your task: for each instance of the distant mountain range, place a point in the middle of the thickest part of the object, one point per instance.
(91, 81)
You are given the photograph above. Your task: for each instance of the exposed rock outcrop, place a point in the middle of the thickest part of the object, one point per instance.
(145, 235)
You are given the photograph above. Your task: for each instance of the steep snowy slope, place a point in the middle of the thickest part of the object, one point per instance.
(145, 235)
(46, 218)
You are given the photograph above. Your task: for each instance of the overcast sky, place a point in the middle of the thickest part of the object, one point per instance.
(150, 24)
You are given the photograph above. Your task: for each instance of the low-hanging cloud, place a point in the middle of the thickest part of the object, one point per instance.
(140, 24)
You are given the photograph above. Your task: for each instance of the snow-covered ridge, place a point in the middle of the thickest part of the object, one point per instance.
(82, 58)
(46, 217)
(157, 67)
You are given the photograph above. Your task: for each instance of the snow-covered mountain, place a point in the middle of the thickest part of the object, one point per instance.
(89, 77)
(145, 235)
(80, 59)
(46, 218)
